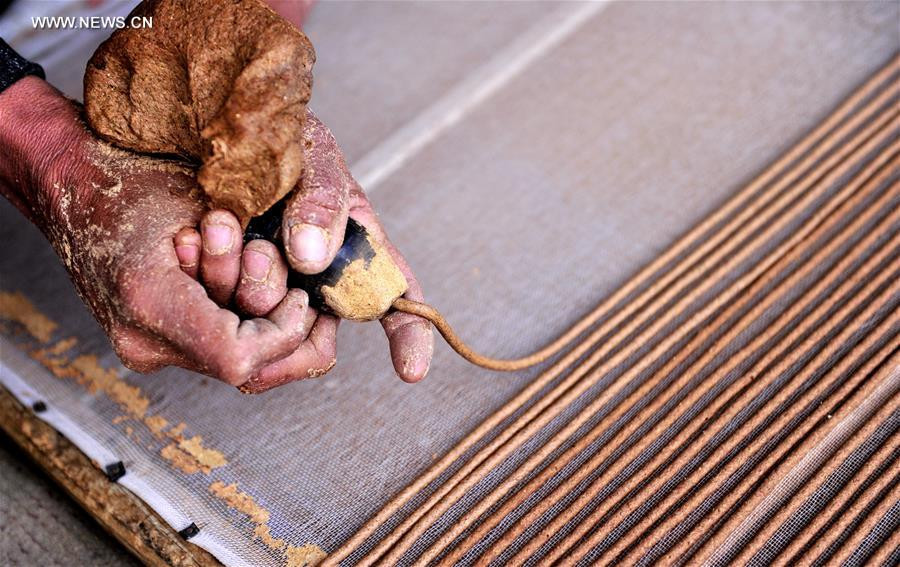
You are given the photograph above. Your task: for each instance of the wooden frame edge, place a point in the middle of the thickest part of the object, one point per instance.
(122, 514)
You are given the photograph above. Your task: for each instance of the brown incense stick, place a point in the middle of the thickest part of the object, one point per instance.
(465, 351)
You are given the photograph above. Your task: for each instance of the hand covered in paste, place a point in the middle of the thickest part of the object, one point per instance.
(254, 277)
(113, 216)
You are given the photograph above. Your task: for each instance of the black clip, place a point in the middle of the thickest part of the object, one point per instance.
(39, 406)
(115, 471)
(190, 531)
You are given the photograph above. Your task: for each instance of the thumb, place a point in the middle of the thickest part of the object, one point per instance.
(316, 214)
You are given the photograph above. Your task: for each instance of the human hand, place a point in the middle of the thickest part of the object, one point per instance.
(123, 225)
(254, 277)
(248, 126)
(112, 217)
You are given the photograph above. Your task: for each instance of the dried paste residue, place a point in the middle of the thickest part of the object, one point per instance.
(179, 459)
(187, 454)
(86, 370)
(176, 431)
(191, 456)
(240, 501)
(156, 424)
(309, 554)
(44, 441)
(301, 556)
(16, 307)
(89, 373)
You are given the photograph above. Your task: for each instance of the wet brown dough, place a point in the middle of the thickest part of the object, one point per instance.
(366, 288)
(222, 83)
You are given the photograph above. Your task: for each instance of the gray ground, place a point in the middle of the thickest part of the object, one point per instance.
(41, 525)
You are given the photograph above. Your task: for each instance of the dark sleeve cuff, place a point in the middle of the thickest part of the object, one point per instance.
(14, 67)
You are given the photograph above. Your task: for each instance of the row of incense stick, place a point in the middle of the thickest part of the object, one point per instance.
(677, 428)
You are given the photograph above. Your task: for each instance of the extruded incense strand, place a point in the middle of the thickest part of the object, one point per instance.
(408, 527)
(363, 300)
(812, 145)
(825, 135)
(666, 422)
(486, 525)
(364, 284)
(404, 544)
(411, 535)
(504, 365)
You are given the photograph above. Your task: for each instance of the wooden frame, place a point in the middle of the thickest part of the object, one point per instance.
(125, 516)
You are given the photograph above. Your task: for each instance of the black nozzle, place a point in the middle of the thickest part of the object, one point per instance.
(267, 226)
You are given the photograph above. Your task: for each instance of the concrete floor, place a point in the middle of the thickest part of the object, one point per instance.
(41, 525)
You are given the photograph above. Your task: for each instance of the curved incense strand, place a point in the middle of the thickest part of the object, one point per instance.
(457, 344)
(779, 181)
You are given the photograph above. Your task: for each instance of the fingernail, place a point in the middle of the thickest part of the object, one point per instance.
(256, 265)
(309, 243)
(218, 239)
(420, 368)
(188, 255)
(416, 365)
(298, 297)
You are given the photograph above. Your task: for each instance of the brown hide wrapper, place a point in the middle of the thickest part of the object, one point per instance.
(221, 84)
